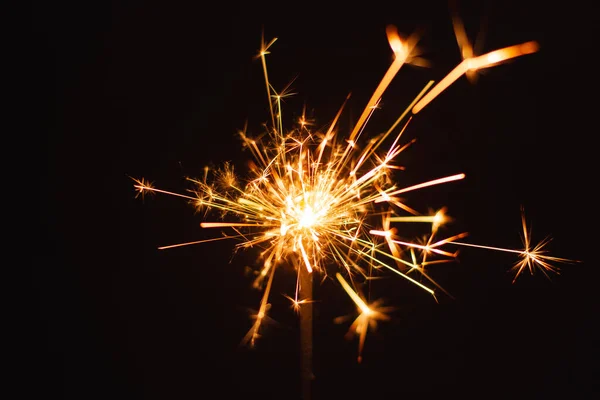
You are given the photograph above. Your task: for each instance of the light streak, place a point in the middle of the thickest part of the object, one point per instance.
(473, 64)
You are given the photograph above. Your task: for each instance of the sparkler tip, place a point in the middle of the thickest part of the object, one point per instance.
(142, 186)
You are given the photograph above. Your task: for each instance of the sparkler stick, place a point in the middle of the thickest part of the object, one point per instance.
(306, 331)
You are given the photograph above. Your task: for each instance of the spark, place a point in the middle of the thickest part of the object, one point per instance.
(317, 201)
(296, 304)
(531, 257)
(143, 187)
(367, 317)
(471, 63)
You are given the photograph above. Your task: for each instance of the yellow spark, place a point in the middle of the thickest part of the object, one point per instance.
(143, 186)
(296, 304)
(421, 186)
(472, 64)
(402, 51)
(436, 220)
(531, 257)
(194, 242)
(367, 317)
(253, 333)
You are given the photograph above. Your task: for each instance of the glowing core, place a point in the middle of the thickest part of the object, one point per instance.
(308, 217)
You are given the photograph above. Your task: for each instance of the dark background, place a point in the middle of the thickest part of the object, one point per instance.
(158, 90)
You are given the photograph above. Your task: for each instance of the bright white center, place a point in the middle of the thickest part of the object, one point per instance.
(308, 217)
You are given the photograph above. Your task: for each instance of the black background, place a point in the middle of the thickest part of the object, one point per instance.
(159, 90)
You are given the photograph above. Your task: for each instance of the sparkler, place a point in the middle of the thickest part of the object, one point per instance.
(325, 202)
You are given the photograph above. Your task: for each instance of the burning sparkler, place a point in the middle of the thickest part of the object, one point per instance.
(326, 202)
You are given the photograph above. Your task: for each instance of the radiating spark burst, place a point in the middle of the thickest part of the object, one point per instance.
(318, 199)
(531, 257)
(367, 317)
